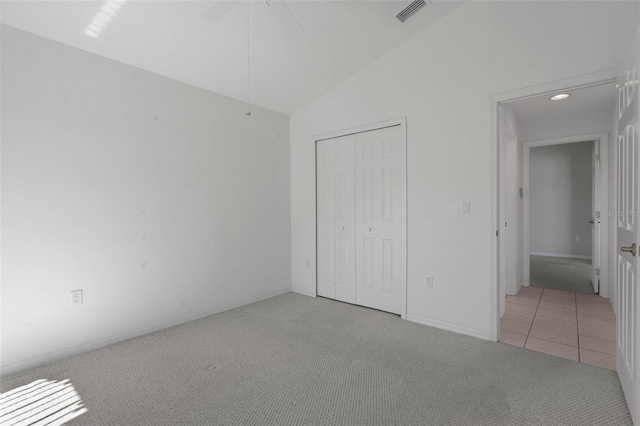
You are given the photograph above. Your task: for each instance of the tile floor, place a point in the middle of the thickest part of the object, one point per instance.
(577, 326)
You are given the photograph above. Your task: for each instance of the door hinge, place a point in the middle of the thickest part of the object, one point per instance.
(597, 157)
(597, 271)
(497, 233)
(521, 194)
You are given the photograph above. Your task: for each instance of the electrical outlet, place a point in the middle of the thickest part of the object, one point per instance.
(429, 281)
(76, 297)
(465, 208)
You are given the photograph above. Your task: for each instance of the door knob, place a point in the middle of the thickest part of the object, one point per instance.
(343, 228)
(631, 249)
(369, 229)
(592, 221)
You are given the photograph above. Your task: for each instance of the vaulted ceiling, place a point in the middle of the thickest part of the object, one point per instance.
(171, 38)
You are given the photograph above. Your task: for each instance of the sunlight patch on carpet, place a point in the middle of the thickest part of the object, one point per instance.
(43, 402)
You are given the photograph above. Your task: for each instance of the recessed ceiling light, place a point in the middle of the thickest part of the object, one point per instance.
(559, 97)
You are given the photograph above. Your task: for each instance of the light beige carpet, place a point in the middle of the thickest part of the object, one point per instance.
(295, 360)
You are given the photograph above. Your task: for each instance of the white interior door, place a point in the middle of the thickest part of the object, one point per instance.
(325, 218)
(345, 232)
(627, 233)
(380, 179)
(512, 199)
(595, 217)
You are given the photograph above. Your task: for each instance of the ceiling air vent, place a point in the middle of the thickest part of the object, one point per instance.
(411, 10)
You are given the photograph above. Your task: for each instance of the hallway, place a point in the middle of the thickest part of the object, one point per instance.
(561, 273)
(570, 325)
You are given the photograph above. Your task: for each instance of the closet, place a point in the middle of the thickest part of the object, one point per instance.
(361, 186)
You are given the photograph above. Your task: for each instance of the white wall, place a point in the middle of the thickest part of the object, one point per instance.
(162, 201)
(560, 191)
(442, 81)
(597, 120)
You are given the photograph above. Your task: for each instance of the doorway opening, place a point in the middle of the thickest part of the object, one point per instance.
(561, 214)
(553, 240)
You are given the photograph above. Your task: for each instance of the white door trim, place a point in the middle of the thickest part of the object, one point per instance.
(573, 83)
(402, 122)
(603, 139)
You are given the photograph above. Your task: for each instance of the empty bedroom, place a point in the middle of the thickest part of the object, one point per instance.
(287, 212)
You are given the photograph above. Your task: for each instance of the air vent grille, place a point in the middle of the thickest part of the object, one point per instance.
(411, 10)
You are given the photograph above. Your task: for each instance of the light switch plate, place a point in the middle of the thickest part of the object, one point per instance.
(466, 207)
(429, 281)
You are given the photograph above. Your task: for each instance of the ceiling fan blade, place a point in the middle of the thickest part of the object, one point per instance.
(285, 18)
(219, 9)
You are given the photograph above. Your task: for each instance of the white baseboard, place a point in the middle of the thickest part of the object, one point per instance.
(19, 366)
(507, 293)
(570, 256)
(473, 332)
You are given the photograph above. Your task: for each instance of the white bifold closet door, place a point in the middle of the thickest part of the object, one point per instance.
(325, 218)
(360, 218)
(336, 218)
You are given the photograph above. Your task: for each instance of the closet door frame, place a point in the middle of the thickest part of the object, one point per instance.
(402, 122)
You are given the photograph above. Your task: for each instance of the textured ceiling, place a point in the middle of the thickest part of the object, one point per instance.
(171, 39)
(582, 102)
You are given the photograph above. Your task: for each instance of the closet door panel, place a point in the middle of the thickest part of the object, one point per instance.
(368, 202)
(325, 213)
(345, 193)
(391, 225)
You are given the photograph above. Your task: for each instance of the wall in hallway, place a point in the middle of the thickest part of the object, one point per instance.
(560, 197)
